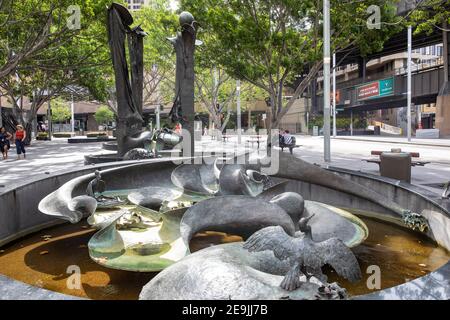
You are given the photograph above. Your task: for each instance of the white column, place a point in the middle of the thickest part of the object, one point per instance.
(50, 122)
(72, 110)
(351, 123)
(408, 90)
(158, 122)
(238, 109)
(326, 80)
(334, 95)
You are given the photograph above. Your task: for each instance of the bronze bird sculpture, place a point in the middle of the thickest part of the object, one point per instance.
(96, 187)
(306, 256)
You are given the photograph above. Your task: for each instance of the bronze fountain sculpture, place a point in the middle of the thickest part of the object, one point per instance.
(128, 91)
(305, 255)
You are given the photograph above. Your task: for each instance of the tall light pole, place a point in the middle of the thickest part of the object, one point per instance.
(326, 80)
(238, 109)
(72, 111)
(408, 90)
(49, 117)
(334, 95)
(158, 118)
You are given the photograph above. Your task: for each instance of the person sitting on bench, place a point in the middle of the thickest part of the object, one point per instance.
(287, 141)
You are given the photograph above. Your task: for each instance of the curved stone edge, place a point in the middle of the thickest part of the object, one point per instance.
(11, 289)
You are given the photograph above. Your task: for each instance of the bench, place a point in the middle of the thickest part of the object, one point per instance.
(289, 146)
(224, 137)
(255, 139)
(413, 155)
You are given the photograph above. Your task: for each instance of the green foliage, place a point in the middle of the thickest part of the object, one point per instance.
(270, 42)
(97, 135)
(429, 15)
(103, 115)
(42, 136)
(62, 135)
(341, 122)
(60, 111)
(68, 57)
(159, 22)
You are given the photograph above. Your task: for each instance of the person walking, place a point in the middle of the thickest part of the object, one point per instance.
(4, 142)
(20, 137)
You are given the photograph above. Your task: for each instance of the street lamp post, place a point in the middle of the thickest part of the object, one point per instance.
(408, 129)
(72, 111)
(238, 109)
(334, 95)
(326, 79)
(49, 117)
(158, 119)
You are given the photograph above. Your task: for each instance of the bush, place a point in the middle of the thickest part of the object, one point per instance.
(42, 136)
(62, 135)
(341, 123)
(60, 111)
(103, 115)
(97, 135)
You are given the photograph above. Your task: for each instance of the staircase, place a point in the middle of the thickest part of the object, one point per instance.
(386, 128)
(9, 122)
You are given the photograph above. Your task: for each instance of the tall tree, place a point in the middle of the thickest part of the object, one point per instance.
(216, 91)
(429, 15)
(76, 56)
(269, 42)
(159, 22)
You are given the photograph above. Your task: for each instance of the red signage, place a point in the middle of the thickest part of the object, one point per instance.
(368, 91)
(337, 96)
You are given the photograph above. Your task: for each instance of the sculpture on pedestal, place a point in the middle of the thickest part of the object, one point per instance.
(129, 93)
(184, 43)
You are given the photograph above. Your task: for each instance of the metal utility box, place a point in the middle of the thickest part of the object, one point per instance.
(396, 165)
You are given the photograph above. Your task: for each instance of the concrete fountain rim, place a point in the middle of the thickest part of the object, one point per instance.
(389, 293)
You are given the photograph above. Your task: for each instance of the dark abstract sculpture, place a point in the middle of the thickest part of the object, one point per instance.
(166, 139)
(138, 154)
(305, 255)
(96, 188)
(184, 44)
(129, 93)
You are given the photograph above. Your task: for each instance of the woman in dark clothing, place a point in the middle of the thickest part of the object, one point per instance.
(4, 142)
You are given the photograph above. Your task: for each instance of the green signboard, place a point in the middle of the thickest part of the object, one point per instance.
(386, 87)
(375, 89)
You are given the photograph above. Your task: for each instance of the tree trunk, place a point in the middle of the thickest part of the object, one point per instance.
(28, 127)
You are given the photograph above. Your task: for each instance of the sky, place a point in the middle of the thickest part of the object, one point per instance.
(174, 4)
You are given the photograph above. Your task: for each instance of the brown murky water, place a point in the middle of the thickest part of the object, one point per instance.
(400, 254)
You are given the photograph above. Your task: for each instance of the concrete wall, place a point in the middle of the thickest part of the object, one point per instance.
(19, 214)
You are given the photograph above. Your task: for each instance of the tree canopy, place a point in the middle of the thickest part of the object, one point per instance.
(69, 55)
(270, 42)
(60, 111)
(103, 115)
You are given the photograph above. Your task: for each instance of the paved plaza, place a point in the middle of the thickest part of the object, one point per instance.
(45, 157)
